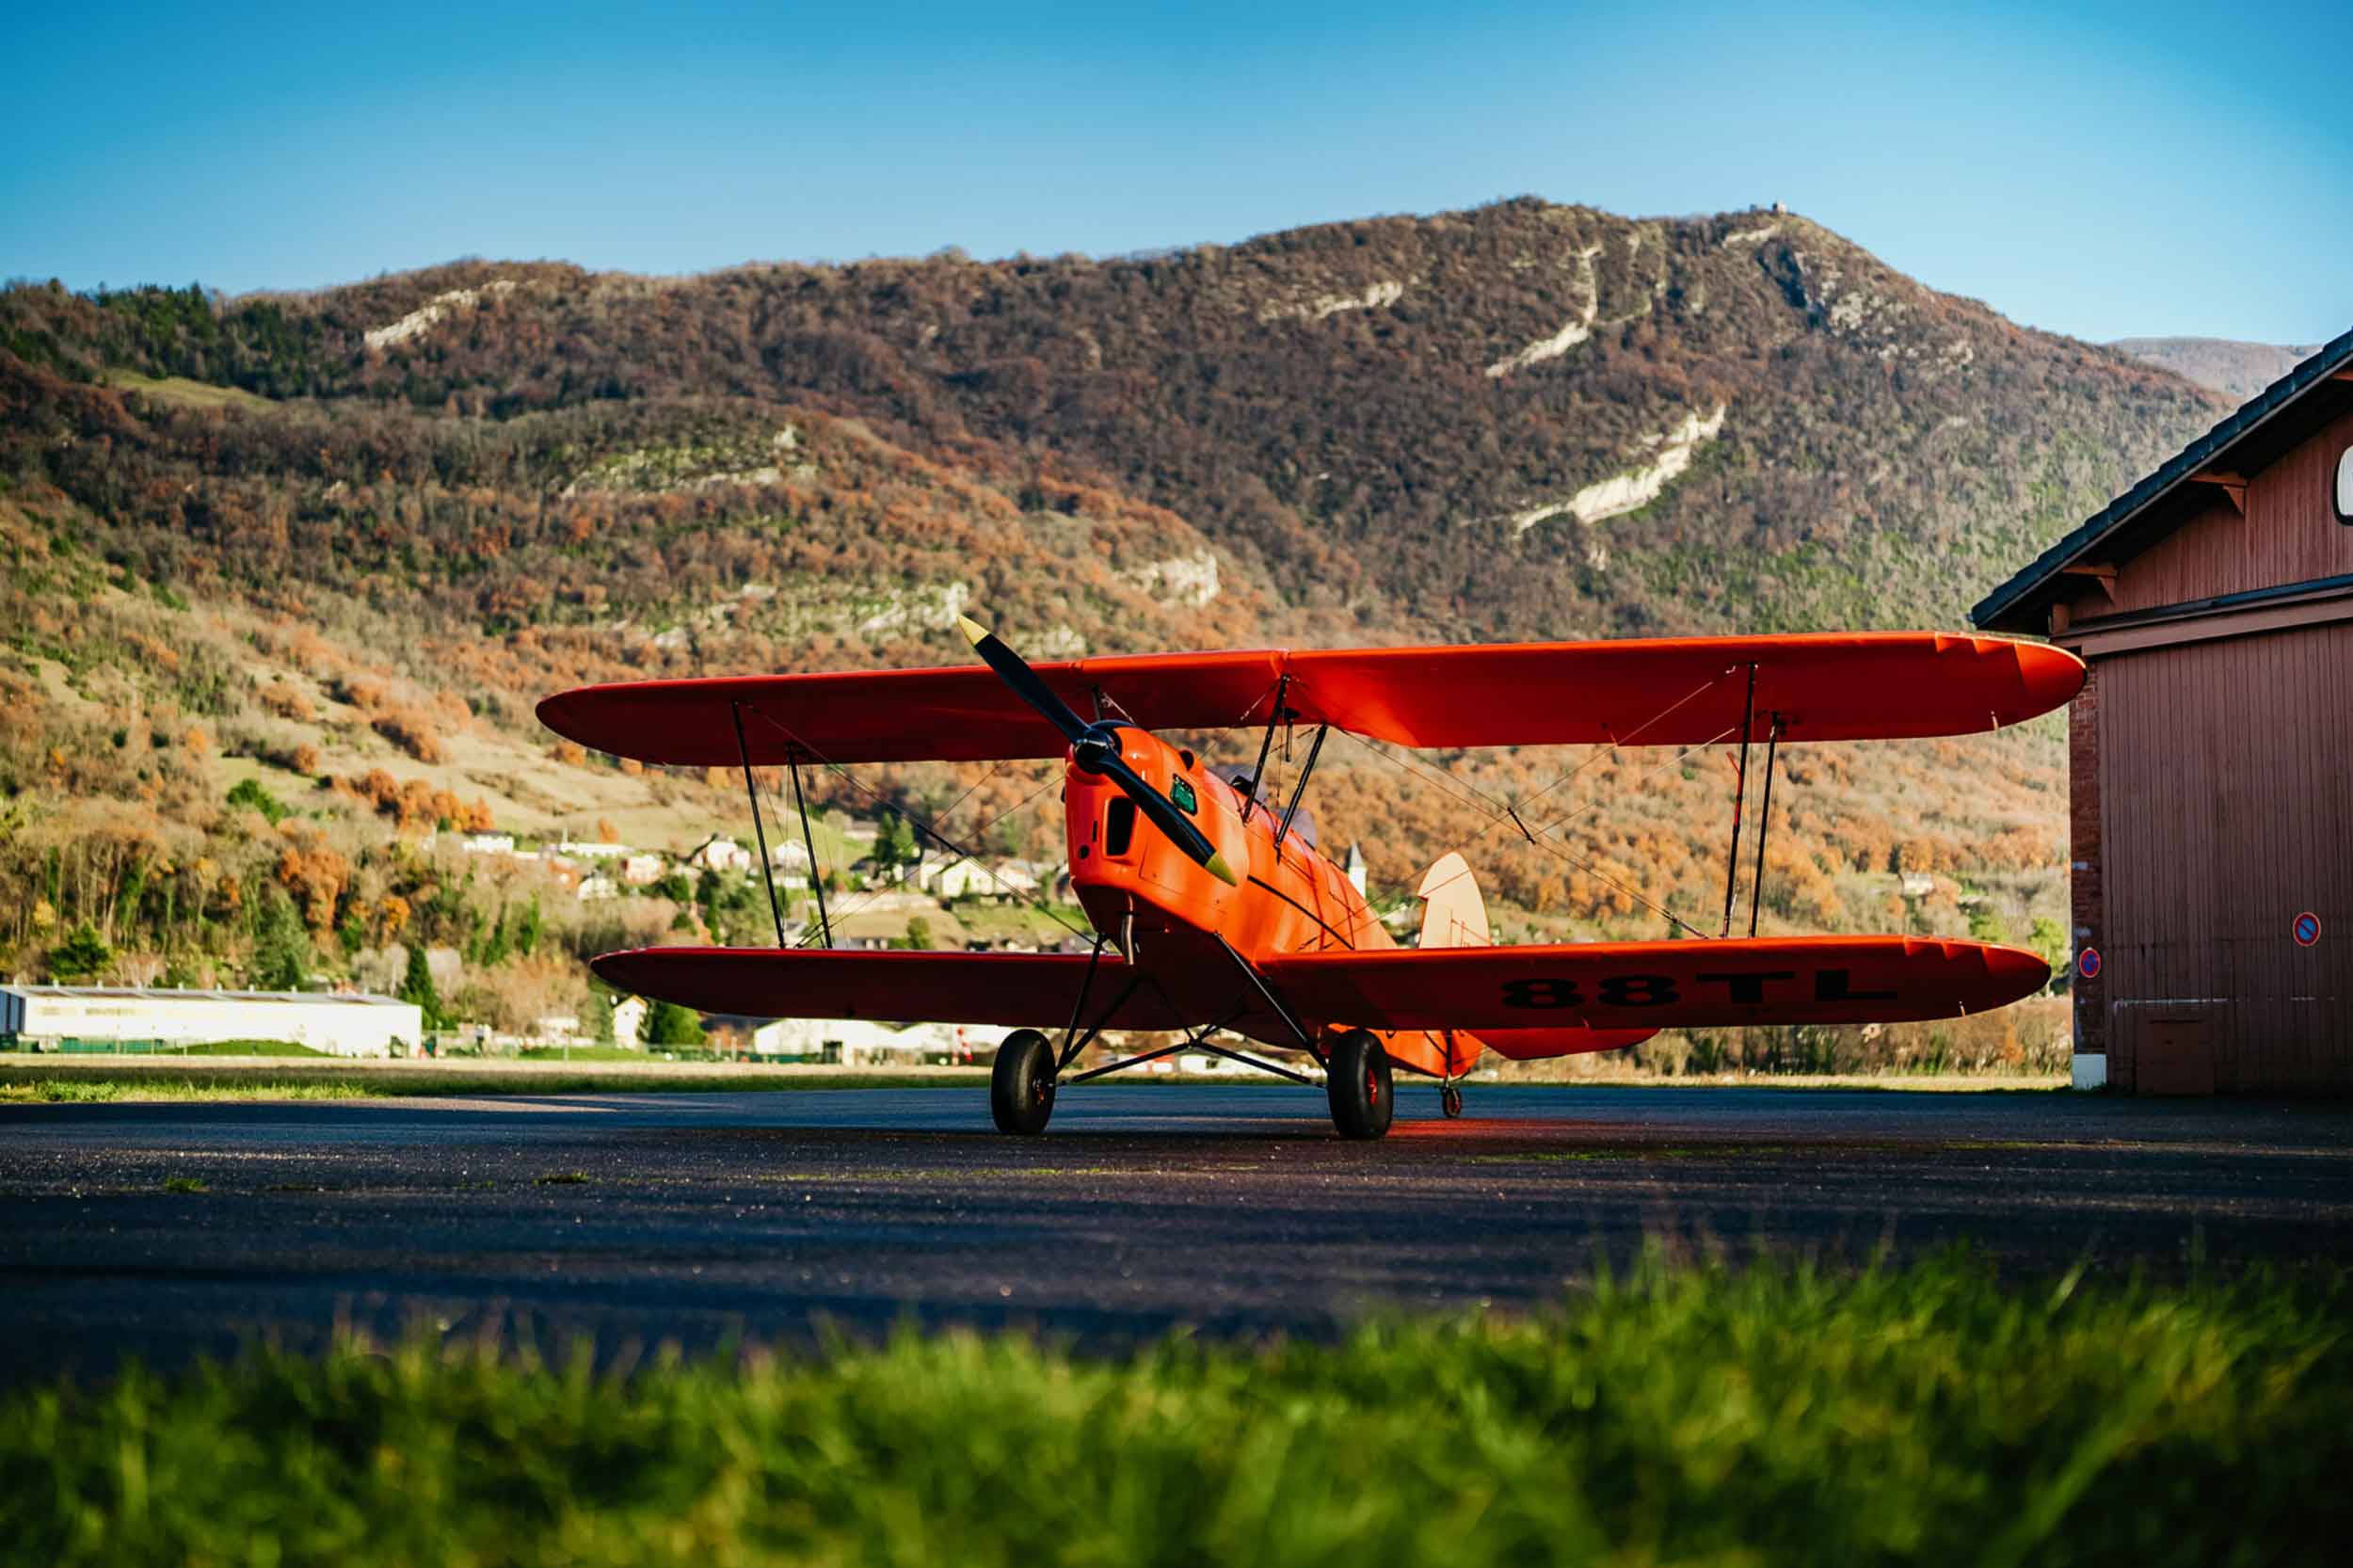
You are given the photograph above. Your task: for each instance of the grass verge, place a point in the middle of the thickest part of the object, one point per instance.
(1680, 1416)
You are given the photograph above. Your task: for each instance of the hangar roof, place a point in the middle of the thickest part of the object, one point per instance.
(2119, 524)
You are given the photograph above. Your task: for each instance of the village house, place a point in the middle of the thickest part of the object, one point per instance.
(1003, 881)
(629, 1022)
(719, 853)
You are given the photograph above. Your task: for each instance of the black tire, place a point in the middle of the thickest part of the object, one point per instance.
(1450, 1102)
(1021, 1089)
(1357, 1082)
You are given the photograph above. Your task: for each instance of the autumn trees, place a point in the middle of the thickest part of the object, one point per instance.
(583, 478)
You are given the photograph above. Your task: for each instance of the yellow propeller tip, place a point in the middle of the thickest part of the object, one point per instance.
(1217, 867)
(973, 630)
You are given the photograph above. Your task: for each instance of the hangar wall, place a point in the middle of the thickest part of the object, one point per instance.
(2211, 751)
(2225, 805)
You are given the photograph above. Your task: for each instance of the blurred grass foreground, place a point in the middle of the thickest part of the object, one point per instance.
(1684, 1415)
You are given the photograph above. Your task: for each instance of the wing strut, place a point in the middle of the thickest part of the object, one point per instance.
(1739, 794)
(1306, 773)
(735, 711)
(808, 841)
(1763, 821)
(1274, 717)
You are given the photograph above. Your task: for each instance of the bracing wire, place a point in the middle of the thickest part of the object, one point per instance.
(925, 825)
(1630, 736)
(1466, 793)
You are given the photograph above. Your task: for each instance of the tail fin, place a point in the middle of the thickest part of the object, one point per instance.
(1453, 914)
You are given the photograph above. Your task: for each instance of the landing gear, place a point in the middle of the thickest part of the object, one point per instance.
(1357, 1078)
(1021, 1089)
(1450, 1100)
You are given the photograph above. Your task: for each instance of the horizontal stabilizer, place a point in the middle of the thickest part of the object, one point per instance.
(1532, 1044)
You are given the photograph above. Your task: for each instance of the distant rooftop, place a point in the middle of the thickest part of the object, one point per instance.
(2113, 527)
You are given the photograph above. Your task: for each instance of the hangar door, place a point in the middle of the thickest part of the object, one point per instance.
(2226, 801)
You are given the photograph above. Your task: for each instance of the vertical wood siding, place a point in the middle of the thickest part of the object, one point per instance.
(2225, 779)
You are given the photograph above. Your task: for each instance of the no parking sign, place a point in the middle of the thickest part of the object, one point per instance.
(2305, 929)
(2088, 963)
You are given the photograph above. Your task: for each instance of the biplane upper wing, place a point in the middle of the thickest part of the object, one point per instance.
(1007, 989)
(1619, 985)
(1652, 691)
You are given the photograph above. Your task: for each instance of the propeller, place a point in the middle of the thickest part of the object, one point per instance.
(1094, 747)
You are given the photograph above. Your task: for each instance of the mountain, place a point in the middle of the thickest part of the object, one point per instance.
(2237, 370)
(337, 543)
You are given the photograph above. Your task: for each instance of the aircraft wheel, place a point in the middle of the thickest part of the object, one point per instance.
(1450, 1100)
(1021, 1089)
(1357, 1082)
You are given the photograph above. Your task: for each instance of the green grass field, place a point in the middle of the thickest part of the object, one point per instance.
(180, 389)
(1685, 1415)
(252, 1047)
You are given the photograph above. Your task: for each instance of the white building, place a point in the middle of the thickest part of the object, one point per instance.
(863, 1043)
(111, 1018)
(487, 844)
(594, 887)
(582, 849)
(628, 1021)
(721, 855)
(640, 870)
(1008, 880)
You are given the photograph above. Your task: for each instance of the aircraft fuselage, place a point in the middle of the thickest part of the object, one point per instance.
(1140, 886)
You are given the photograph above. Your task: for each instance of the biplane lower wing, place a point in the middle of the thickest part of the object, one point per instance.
(1543, 1000)
(1637, 985)
(1012, 989)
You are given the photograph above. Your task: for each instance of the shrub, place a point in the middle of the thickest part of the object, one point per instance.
(412, 732)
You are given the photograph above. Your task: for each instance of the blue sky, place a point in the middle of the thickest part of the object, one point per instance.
(2103, 170)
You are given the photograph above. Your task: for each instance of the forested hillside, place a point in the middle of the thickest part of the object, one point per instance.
(332, 547)
(2237, 370)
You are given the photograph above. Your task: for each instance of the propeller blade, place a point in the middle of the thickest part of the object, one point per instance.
(1102, 755)
(1015, 672)
(1164, 816)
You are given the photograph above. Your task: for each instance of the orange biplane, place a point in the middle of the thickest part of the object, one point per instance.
(1224, 917)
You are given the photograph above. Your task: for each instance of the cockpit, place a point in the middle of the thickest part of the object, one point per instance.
(1238, 775)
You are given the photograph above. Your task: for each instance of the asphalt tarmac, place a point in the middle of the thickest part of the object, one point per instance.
(700, 1218)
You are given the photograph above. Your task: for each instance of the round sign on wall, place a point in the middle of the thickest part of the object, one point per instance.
(2305, 929)
(2088, 963)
